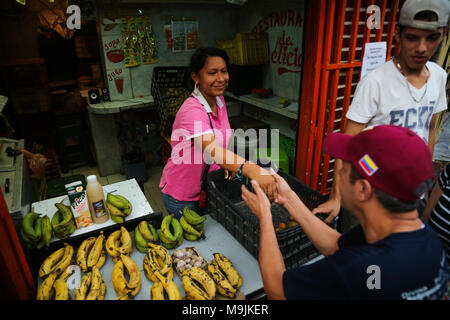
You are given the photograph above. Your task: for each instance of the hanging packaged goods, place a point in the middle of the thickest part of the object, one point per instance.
(130, 38)
(147, 40)
(178, 35)
(139, 41)
(182, 34)
(191, 30)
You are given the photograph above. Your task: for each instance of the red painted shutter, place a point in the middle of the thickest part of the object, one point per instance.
(335, 37)
(15, 275)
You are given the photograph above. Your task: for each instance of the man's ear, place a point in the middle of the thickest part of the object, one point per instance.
(364, 190)
(397, 34)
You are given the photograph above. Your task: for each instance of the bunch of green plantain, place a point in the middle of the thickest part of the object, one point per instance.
(119, 207)
(192, 224)
(171, 232)
(36, 231)
(144, 233)
(63, 223)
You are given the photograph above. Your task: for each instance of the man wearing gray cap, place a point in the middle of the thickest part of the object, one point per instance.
(406, 91)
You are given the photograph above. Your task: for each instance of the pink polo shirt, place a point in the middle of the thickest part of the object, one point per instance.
(182, 174)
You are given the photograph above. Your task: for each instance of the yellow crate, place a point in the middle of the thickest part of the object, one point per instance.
(246, 48)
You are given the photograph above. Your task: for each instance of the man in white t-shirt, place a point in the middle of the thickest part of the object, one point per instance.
(407, 91)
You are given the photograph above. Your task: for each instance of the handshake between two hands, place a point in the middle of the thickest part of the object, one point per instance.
(260, 201)
(279, 191)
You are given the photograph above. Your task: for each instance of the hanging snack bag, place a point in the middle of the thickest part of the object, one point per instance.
(130, 42)
(147, 40)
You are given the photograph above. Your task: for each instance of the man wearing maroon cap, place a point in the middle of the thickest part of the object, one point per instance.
(391, 254)
(408, 90)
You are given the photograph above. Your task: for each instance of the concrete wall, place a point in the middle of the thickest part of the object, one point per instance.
(215, 21)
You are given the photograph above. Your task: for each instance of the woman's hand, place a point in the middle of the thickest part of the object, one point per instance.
(229, 174)
(268, 184)
(264, 178)
(258, 202)
(285, 192)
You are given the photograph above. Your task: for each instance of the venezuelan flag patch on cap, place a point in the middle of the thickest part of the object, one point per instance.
(368, 165)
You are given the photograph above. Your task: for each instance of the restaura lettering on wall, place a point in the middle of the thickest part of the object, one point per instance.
(283, 18)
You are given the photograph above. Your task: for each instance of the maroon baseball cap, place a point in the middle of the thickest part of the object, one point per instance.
(393, 159)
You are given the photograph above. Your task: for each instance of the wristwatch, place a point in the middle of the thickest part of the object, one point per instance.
(239, 172)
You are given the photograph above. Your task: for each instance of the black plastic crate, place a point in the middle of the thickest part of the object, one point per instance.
(226, 206)
(165, 78)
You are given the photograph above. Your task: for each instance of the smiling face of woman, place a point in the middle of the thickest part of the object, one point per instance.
(213, 78)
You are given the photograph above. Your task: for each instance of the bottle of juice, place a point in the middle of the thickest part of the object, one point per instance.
(96, 199)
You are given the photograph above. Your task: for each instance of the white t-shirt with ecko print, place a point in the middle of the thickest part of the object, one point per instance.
(383, 97)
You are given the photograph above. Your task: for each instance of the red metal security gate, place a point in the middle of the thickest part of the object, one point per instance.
(335, 35)
(16, 280)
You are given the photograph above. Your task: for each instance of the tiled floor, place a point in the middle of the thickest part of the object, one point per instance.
(151, 190)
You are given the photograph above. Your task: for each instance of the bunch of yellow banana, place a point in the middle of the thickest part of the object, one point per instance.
(143, 234)
(198, 284)
(63, 223)
(119, 207)
(36, 231)
(157, 261)
(165, 286)
(119, 242)
(193, 225)
(60, 285)
(126, 289)
(92, 286)
(57, 262)
(91, 253)
(54, 287)
(171, 232)
(227, 278)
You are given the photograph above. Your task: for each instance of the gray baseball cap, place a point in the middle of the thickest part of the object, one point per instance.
(412, 7)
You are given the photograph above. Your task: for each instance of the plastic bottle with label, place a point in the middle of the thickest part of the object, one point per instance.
(96, 199)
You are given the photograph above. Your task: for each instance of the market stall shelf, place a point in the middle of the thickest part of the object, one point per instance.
(111, 107)
(270, 104)
(129, 189)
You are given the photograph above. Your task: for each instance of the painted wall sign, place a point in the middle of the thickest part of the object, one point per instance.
(283, 18)
(285, 34)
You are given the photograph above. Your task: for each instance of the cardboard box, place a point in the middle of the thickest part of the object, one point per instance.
(79, 204)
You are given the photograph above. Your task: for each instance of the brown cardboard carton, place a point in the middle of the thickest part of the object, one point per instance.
(79, 204)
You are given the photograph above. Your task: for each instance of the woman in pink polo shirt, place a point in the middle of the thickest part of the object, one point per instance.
(200, 135)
